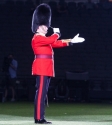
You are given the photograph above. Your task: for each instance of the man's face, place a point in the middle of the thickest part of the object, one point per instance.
(44, 28)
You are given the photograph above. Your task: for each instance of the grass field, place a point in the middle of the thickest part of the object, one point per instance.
(21, 113)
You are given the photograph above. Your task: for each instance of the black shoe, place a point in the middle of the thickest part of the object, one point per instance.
(43, 121)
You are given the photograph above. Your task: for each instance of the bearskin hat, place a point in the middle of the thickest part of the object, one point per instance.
(41, 16)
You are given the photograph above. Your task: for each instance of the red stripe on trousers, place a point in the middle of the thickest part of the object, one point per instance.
(39, 97)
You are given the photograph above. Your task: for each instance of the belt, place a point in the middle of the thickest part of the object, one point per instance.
(44, 56)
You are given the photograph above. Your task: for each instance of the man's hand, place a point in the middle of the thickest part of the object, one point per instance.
(56, 30)
(77, 39)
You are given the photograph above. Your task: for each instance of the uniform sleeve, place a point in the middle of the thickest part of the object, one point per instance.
(59, 43)
(43, 40)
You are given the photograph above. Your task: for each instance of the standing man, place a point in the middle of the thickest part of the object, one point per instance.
(43, 64)
(11, 78)
(13, 75)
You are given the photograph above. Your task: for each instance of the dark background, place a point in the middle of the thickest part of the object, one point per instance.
(93, 56)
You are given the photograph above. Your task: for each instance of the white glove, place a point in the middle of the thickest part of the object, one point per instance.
(56, 30)
(77, 39)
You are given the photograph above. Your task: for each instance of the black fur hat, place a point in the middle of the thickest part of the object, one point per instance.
(41, 16)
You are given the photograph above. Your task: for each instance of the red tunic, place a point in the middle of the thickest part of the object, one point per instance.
(43, 45)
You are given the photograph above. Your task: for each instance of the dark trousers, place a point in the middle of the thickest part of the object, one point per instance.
(42, 84)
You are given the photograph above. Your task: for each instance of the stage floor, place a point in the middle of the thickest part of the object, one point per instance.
(21, 113)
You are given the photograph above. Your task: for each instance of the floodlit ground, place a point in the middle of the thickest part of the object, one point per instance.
(57, 113)
(75, 120)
